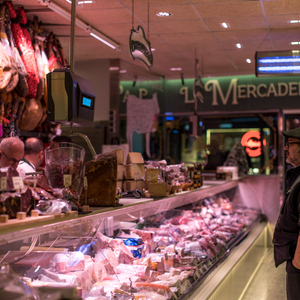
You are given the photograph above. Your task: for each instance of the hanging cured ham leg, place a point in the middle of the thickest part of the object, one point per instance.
(25, 47)
(22, 86)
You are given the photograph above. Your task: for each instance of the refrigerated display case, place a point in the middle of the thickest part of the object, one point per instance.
(68, 256)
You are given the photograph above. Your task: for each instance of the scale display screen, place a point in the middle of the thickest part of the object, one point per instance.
(87, 101)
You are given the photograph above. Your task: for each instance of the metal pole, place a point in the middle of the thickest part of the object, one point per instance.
(72, 35)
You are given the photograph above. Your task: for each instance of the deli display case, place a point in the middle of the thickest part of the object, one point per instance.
(191, 245)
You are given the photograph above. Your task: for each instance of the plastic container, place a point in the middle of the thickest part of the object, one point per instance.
(64, 159)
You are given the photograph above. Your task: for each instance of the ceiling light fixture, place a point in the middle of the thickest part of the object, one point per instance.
(93, 32)
(225, 25)
(295, 21)
(295, 43)
(113, 68)
(163, 14)
(102, 38)
(238, 45)
(123, 71)
(175, 69)
(248, 61)
(82, 2)
(152, 49)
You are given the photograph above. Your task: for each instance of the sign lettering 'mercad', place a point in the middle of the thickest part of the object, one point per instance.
(214, 86)
(140, 47)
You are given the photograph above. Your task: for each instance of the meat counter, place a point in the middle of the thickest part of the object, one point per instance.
(190, 245)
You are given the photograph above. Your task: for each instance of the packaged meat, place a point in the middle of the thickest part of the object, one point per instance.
(138, 270)
(68, 262)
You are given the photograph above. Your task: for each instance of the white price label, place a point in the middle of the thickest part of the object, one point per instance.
(149, 177)
(136, 175)
(67, 180)
(85, 182)
(3, 183)
(18, 182)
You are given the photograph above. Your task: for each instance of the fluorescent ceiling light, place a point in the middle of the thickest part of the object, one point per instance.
(113, 68)
(176, 69)
(295, 43)
(239, 45)
(248, 61)
(225, 25)
(123, 71)
(82, 2)
(93, 32)
(163, 14)
(100, 37)
(295, 21)
(152, 49)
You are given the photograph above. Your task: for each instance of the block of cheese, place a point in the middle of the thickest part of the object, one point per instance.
(157, 189)
(134, 158)
(133, 184)
(121, 170)
(151, 175)
(120, 185)
(134, 171)
(120, 156)
(101, 175)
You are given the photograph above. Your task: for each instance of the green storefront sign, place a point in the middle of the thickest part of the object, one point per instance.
(232, 94)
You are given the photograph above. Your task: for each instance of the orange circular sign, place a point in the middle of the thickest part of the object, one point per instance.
(251, 140)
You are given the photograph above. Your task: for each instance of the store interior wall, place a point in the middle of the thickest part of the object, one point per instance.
(97, 72)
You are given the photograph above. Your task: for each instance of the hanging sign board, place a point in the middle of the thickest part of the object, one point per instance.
(139, 47)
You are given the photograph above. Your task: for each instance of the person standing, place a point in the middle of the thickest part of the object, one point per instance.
(33, 157)
(286, 234)
(11, 152)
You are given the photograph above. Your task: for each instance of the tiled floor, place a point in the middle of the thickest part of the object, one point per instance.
(269, 282)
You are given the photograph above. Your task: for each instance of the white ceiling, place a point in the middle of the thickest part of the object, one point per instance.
(192, 31)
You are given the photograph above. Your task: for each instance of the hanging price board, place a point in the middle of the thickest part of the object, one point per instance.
(67, 180)
(18, 182)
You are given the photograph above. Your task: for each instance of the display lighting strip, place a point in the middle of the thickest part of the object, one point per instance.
(279, 60)
(93, 32)
(282, 69)
(280, 65)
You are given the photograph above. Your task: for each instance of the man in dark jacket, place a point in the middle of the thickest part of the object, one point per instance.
(286, 234)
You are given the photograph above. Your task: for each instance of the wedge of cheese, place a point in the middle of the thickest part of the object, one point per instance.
(157, 189)
(133, 184)
(151, 175)
(134, 171)
(120, 156)
(121, 171)
(134, 158)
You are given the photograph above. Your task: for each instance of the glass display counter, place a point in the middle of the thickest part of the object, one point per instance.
(177, 247)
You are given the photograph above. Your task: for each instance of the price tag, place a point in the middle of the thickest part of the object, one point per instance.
(18, 182)
(3, 183)
(85, 183)
(136, 175)
(67, 180)
(149, 177)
